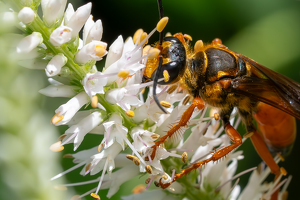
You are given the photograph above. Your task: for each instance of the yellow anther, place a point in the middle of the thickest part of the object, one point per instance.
(184, 157)
(166, 75)
(186, 100)
(147, 180)
(100, 147)
(143, 91)
(56, 147)
(153, 53)
(68, 156)
(146, 49)
(283, 171)
(281, 157)
(148, 169)
(171, 89)
(198, 46)
(123, 73)
(94, 103)
(138, 189)
(88, 166)
(60, 138)
(76, 197)
(188, 37)
(165, 104)
(95, 196)
(100, 50)
(137, 35)
(134, 159)
(143, 36)
(247, 135)
(216, 116)
(129, 113)
(168, 34)
(57, 118)
(155, 136)
(284, 195)
(156, 184)
(60, 187)
(165, 177)
(162, 24)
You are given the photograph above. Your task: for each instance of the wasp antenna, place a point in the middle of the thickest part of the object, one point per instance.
(161, 15)
(158, 71)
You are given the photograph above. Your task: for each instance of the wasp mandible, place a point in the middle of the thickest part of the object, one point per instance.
(212, 74)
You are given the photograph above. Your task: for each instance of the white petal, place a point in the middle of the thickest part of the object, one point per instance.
(61, 35)
(34, 63)
(56, 63)
(58, 91)
(26, 15)
(30, 42)
(87, 27)
(95, 32)
(89, 52)
(68, 13)
(115, 95)
(52, 10)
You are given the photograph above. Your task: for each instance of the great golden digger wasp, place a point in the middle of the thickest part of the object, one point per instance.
(212, 74)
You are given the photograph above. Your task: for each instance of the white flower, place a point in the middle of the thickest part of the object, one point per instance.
(59, 91)
(77, 132)
(53, 10)
(142, 139)
(26, 15)
(68, 14)
(60, 36)
(123, 97)
(94, 50)
(65, 112)
(93, 83)
(56, 63)
(78, 19)
(115, 51)
(36, 63)
(30, 42)
(92, 30)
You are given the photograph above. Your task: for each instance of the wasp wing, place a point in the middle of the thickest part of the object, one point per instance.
(269, 87)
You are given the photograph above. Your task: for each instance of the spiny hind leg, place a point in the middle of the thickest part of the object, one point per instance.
(232, 134)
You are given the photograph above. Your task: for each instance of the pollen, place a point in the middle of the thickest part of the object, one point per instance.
(87, 167)
(168, 34)
(56, 147)
(143, 36)
(60, 138)
(95, 196)
(156, 184)
(216, 116)
(186, 100)
(134, 159)
(247, 135)
(188, 37)
(198, 46)
(60, 187)
(138, 189)
(100, 147)
(171, 89)
(148, 169)
(162, 24)
(165, 104)
(94, 103)
(100, 50)
(153, 53)
(184, 157)
(147, 180)
(146, 49)
(57, 118)
(281, 157)
(129, 113)
(76, 197)
(68, 156)
(137, 35)
(165, 177)
(155, 136)
(166, 75)
(123, 73)
(283, 171)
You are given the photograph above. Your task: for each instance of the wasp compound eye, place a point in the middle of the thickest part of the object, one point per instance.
(174, 56)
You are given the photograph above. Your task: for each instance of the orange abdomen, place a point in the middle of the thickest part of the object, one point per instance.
(277, 128)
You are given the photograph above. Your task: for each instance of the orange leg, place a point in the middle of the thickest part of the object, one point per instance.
(197, 102)
(234, 137)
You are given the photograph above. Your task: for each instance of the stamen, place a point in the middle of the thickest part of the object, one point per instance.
(92, 166)
(153, 53)
(123, 73)
(286, 184)
(95, 196)
(175, 149)
(60, 187)
(148, 169)
(216, 116)
(94, 103)
(166, 75)
(186, 100)
(100, 147)
(135, 160)
(280, 156)
(150, 159)
(129, 113)
(82, 183)
(68, 170)
(249, 134)
(68, 156)
(184, 157)
(107, 135)
(156, 184)
(173, 174)
(87, 193)
(188, 37)
(142, 140)
(102, 176)
(236, 182)
(165, 104)
(147, 180)
(198, 46)
(76, 197)
(151, 179)
(138, 189)
(100, 50)
(146, 50)
(269, 194)
(87, 167)
(137, 36)
(57, 118)
(165, 177)
(162, 24)
(70, 138)
(168, 34)
(200, 176)
(56, 147)
(283, 171)
(60, 138)
(143, 36)
(155, 136)
(171, 89)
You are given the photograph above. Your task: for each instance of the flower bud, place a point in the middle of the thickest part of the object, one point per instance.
(29, 42)
(26, 15)
(53, 10)
(56, 63)
(60, 36)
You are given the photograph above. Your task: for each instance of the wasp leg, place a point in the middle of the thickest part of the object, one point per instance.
(234, 137)
(197, 102)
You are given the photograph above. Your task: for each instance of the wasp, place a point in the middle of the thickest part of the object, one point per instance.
(215, 75)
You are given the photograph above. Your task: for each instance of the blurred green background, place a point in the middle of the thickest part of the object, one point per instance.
(267, 31)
